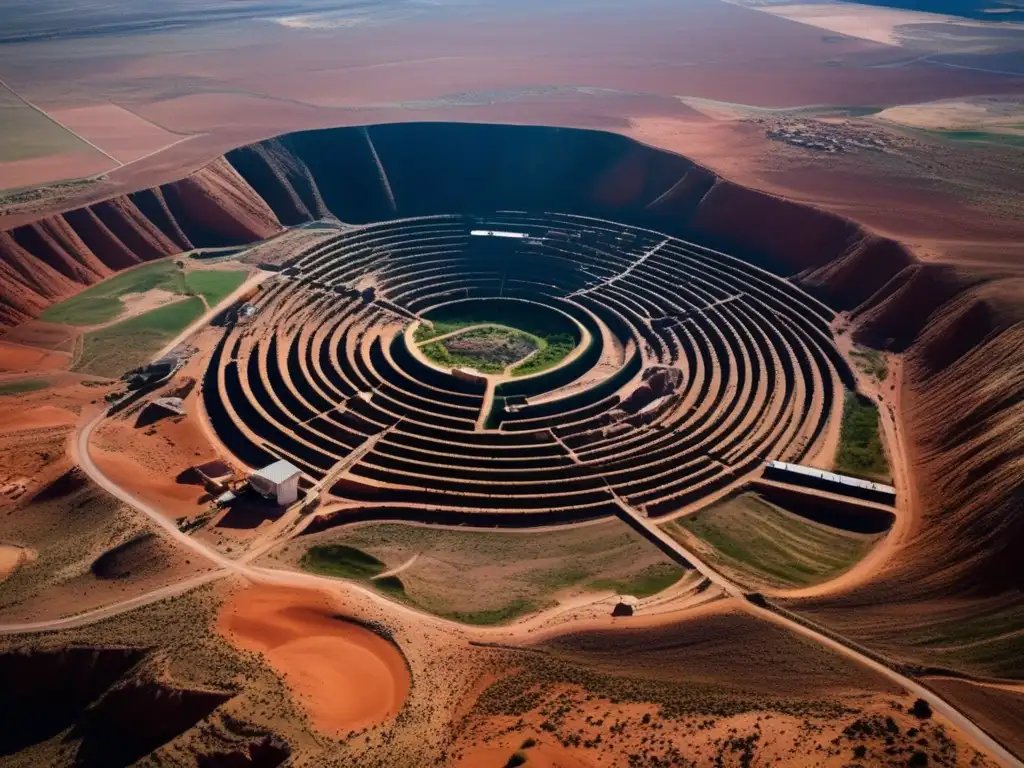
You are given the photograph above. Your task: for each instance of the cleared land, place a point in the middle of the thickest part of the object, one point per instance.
(105, 301)
(762, 544)
(861, 451)
(871, 361)
(118, 348)
(483, 577)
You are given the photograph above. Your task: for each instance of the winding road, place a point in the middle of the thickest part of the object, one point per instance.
(243, 569)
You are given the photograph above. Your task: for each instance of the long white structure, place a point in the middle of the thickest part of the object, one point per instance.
(815, 476)
(497, 233)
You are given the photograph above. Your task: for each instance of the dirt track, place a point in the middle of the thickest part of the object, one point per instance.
(263, 575)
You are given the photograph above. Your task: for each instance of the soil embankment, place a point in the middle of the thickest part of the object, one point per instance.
(346, 676)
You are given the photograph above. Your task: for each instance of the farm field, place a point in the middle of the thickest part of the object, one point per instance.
(760, 543)
(124, 292)
(118, 348)
(105, 301)
(26, 134)
(482, 577)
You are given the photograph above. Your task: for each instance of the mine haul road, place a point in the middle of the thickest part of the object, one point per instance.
(241, 568)
(227, 566)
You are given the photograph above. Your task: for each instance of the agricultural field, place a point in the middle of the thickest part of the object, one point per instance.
(484, 577)
(761, 544)
(861, 450)
(105, 301)
(214, 285)
(26, 134)
(115, 349)
(155, 283)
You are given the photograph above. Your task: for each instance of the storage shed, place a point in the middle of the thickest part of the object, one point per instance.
(278, 481)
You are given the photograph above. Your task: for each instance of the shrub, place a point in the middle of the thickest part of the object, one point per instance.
(921, 709)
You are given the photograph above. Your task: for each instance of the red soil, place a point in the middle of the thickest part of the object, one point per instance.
(115, 130)
(52, 258)
(347, 677)
(43, 170)
(15, 358)
(146, 460)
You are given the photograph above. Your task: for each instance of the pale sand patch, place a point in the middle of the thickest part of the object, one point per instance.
(991, 114)
(123, 134)
(139, 303)
(866, 22)
(52, 168)
(343, 674)
(12, 557)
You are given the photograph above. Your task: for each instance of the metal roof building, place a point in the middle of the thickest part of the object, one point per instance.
(278, 481)
(798, 474)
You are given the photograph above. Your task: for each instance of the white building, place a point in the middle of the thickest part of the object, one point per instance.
(278, 481)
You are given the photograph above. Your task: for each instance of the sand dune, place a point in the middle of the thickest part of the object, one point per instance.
(346, 676)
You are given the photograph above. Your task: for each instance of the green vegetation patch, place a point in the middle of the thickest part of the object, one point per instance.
(759, 543)
(25, 133)
(553, 335)
(214, 285)
(23, 386)
(981, 137)
(488, 349)
(650, 581)
(491, 577)
(102, 302)
(555, 349)
(342, 561)
(113, 350)
(871, 361)
(391, 585)
(861, 451)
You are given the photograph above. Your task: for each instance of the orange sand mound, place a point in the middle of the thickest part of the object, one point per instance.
(345, 676)
(17, 358)
(12, 557)
(36, 417)
(172, 498)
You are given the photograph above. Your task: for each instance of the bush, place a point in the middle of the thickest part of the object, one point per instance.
(921, 709)
(342, 561)
(518, 758)
(861, 452)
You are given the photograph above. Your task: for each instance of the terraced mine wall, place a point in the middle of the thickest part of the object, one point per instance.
(384, 172)
(962, 329)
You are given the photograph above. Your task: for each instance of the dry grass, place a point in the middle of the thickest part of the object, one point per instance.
(485, 577)
(761, 544)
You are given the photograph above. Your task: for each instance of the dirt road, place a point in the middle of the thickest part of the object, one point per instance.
(203, 321)
(251, 573)
(114, 609)
(937, 703)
